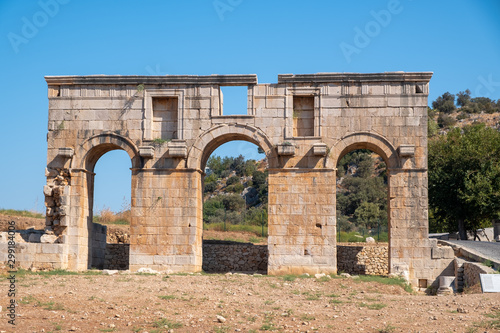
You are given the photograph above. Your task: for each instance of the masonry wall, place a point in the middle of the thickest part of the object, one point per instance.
(37, 256)
(165, 231)
(302, 228)
(98, 245)
(363, 259)
(225, 256)
(117, 256)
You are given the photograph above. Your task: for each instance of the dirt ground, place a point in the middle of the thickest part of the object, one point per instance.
(248, 303)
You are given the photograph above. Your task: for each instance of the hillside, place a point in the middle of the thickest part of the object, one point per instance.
(460, 110)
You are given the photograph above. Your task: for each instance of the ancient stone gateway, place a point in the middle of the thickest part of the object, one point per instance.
(169, 126)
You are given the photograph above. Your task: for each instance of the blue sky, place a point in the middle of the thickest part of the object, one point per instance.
(457, 40)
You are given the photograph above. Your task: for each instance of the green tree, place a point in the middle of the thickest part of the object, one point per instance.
(215, 165)
(233, 202)
(368, 214)
(362, 196)
(464, 178)
(259, 180)
(210, 187)
(463, 98)
(445, 103)
(250, 167)
(238, 165)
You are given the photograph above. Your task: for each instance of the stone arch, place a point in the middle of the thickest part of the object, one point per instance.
(209, 140)
(88, 154)
(382, 147)
(96, 146)
(364, 140)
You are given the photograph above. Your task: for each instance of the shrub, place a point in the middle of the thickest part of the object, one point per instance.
(445, 120)
(233, 180)
(237, 188)
(210, 187)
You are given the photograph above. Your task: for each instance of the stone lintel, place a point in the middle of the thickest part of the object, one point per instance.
(355, 77)
(222, 80)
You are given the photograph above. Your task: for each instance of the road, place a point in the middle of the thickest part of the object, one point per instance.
(488, 249)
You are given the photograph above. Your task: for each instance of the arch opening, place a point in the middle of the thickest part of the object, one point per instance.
(362, 209)
(109, 200)
(234, 207)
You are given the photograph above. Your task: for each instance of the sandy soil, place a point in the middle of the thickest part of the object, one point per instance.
(192, 302)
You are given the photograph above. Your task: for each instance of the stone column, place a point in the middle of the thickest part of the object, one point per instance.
(166, 227)
(409, 245)
(78, 233)
(302, 225)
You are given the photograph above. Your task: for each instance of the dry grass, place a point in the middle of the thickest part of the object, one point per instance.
(107, 216)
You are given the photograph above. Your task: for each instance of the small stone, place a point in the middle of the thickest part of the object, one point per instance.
(112, 325)
(221, 319)
(46, 238)
(147, 270)
(73, 328)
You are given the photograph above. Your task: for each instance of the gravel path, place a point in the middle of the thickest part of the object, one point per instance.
(488, 249)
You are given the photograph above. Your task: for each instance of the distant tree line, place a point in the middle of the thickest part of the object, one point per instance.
(361, 192)
(229, 177)
(463, 103)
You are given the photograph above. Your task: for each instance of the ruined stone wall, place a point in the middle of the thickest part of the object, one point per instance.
(98, 249)
(225, 256)
(363, 259)
(117, 256)
(169, 126)
(471, 271)
(37, 256)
